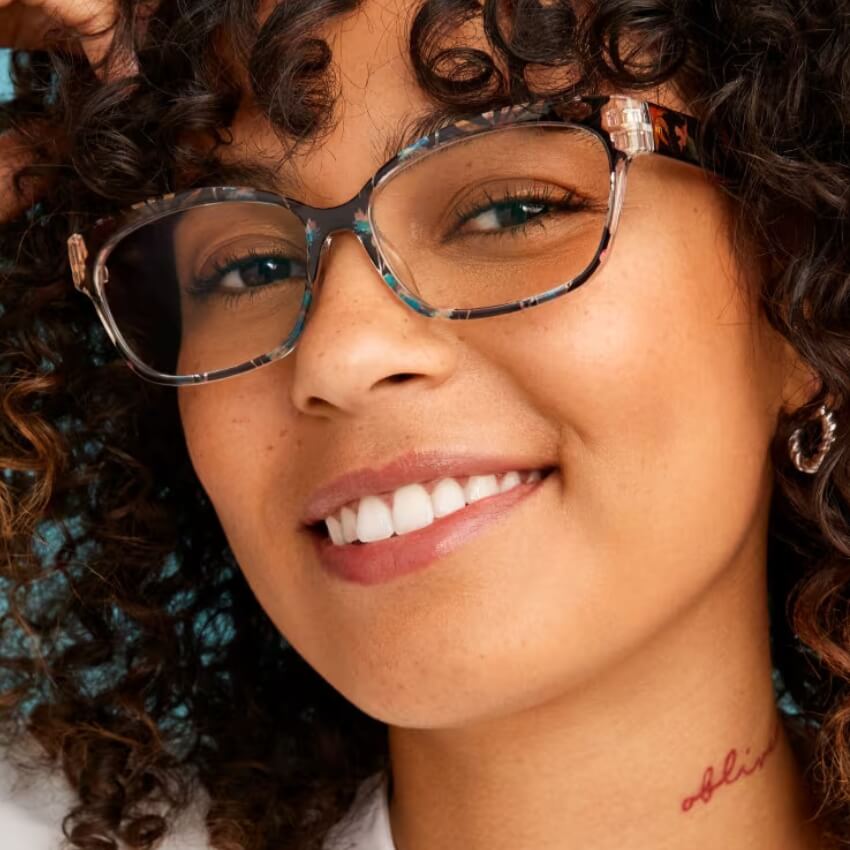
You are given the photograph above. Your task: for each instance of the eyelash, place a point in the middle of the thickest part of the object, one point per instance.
(206, 287)
(535, 196)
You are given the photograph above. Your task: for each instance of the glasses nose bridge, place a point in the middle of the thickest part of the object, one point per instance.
(323, 224)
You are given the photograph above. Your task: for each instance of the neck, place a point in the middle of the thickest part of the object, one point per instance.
(678, 745)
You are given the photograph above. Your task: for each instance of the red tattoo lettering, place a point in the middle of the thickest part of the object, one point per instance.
(729, 774)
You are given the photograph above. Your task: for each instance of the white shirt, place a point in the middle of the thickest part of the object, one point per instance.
(366, 826)
(32, 807)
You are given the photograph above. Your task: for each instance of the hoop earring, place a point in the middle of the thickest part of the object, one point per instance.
(828, 425)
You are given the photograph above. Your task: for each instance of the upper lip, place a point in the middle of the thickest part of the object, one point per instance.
(406, 469)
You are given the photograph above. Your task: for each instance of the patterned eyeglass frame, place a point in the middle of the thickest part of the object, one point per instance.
(628, 127)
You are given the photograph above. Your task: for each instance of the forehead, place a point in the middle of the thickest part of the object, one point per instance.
(379, 105)
(378, 109)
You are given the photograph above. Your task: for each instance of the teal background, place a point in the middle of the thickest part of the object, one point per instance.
(5, 86)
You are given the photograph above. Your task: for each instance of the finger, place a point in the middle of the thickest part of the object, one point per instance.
(92, 20)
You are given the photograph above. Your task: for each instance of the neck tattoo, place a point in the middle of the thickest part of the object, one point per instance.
(731, 772)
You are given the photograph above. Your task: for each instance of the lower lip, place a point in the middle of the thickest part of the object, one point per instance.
(383, 560)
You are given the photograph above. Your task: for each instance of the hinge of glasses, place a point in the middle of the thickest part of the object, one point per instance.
(78, 254)
(628, 123)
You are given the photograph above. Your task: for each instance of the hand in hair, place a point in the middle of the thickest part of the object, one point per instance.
(77, 25)
(38, 24)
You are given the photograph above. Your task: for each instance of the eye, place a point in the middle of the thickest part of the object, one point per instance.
(250, 273)
(512, 211)
(258, 271)
(506, 214)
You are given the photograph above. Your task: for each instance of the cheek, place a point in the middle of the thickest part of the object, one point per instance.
(238, 436)
(664, 382)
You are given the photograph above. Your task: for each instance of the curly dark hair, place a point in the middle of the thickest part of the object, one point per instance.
(128, 631)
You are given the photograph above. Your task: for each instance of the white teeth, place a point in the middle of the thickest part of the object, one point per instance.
(510, 480)
(349, 525)
(374, 520)
(480, 486)
(412, 508)
(334, 529)
(447, 497)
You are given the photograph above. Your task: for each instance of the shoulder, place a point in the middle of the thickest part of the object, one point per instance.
(34, 801)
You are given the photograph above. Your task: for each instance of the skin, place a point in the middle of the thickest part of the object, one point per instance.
(569, 675)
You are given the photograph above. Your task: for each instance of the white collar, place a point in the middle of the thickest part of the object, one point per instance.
(366, 824)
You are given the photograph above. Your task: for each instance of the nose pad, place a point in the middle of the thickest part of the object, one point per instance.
(348, 262)
(321, 262)
(414, 300)
(396, 271)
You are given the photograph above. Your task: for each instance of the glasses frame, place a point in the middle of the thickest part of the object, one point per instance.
(628, 127)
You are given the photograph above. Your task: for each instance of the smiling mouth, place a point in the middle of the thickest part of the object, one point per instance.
(475, 488)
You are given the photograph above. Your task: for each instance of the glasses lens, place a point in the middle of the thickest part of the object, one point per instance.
(498, 217)
(210, 287)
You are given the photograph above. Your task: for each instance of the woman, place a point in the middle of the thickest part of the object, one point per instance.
(365, 567)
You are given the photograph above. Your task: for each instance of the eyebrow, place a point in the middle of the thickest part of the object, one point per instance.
(424, 124)
(284, 178)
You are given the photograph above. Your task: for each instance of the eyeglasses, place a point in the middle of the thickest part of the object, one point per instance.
(491, 215)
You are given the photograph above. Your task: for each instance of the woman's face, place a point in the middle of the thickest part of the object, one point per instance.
(653, 389)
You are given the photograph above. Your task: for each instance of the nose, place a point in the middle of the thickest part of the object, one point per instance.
(361, 341)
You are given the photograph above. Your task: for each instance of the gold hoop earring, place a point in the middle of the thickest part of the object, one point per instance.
(813, 464)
